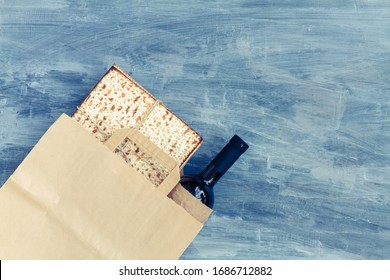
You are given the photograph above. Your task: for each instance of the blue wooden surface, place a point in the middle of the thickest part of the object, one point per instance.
(305, 83)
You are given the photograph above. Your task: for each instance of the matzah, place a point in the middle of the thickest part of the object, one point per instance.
(117, 101)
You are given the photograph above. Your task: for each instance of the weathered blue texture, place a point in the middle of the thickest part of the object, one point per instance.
(305, 83)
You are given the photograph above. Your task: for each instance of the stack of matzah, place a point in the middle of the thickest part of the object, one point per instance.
(117, 101)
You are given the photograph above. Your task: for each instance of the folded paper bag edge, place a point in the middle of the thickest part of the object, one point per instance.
(190, 203)
(144, 142)
(153, 150)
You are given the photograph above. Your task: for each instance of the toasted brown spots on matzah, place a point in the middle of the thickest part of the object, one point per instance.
(120, 102)
(168, 133)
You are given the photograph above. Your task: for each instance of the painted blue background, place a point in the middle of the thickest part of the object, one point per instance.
(305, 83)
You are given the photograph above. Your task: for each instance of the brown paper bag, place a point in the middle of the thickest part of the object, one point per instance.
(73, 198)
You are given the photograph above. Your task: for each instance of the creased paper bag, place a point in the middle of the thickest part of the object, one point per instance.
(74, 198)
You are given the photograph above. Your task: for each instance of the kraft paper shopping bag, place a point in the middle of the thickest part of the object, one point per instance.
(74, 198)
